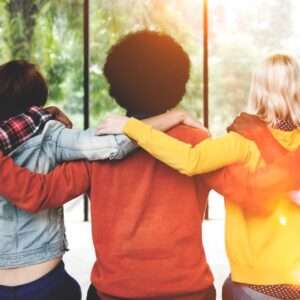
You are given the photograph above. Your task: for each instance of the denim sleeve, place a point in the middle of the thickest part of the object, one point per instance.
(75, 144)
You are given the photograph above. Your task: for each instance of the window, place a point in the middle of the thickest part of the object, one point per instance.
(48, 33)
(241, 33)
(110, 20)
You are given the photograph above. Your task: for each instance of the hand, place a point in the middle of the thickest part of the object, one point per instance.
(249, 126)
(59, 116)
(113, 124)
(189, 120)
(185, 117)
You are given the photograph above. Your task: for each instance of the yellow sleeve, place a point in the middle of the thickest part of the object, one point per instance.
(209, 155)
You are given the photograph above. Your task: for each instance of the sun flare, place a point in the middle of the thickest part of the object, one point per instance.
(231, 4)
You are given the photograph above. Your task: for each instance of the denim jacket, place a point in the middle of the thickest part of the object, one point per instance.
(27, 239)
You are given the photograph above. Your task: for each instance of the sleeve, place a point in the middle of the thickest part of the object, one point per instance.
(219, 182)
(256, 191)
(75, 144)
(209, 155)
(33, 192)
(281, 176)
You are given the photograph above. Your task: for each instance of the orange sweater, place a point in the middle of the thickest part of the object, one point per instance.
(148, 240)
(147, 227)
(146, 224)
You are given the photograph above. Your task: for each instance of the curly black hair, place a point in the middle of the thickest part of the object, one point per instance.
(147, 72)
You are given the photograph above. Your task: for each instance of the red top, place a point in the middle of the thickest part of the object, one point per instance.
(146, 221)
(146, 217)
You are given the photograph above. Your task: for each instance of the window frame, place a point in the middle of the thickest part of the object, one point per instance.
(86, 78)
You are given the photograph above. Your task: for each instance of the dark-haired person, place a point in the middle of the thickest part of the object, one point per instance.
(38, 191)
(257, 246)
(143, 245)
(32, 245)
(154, 248)
(146, 218)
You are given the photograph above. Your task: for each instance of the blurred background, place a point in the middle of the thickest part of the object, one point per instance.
(240, 34)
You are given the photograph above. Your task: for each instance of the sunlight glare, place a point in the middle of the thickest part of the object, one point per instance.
(282, 220)
(231, 4)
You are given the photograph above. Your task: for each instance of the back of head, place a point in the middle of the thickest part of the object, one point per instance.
(147, 72)
(21, 86)
(275, 90)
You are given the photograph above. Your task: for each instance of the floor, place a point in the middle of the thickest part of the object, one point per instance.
(79, 235)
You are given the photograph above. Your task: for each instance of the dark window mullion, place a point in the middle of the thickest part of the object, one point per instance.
(205, 73)
(86, 82)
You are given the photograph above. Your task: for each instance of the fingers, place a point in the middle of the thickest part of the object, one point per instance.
(196, 124)
(241, 119)
(230, 128)
(65, 120)
(103, 128)
(60, 116)
(102, 131)
(112, 125)
(235, 124)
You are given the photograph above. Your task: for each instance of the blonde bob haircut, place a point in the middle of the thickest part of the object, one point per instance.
(275, 90)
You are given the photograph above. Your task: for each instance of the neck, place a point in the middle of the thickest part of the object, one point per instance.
(139, 116)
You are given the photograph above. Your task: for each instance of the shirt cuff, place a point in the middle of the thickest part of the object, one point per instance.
(137, 130)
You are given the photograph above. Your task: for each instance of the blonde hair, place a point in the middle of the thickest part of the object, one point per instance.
(275, 90)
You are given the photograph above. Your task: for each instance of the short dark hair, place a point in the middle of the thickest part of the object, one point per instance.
(147, 72)
(21, 86)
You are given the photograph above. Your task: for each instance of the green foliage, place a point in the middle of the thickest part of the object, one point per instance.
(50, 33)
(112, 20)
(240, 39)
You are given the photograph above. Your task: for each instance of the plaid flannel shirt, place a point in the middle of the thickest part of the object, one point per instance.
(18, 129)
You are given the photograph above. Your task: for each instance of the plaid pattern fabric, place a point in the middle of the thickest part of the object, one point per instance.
(286, 125)
(281, 291)
(18, 129)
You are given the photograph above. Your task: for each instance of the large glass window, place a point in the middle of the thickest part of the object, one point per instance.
(48, 33)
(241, 34)
(112, 19)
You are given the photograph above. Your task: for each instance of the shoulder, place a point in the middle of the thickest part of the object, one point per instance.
(49, 133)
(188, 134)
(53, 125)
(237, 141)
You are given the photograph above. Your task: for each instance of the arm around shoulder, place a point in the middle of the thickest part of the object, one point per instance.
(75, 144)
(33, 192)
(209, 155)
